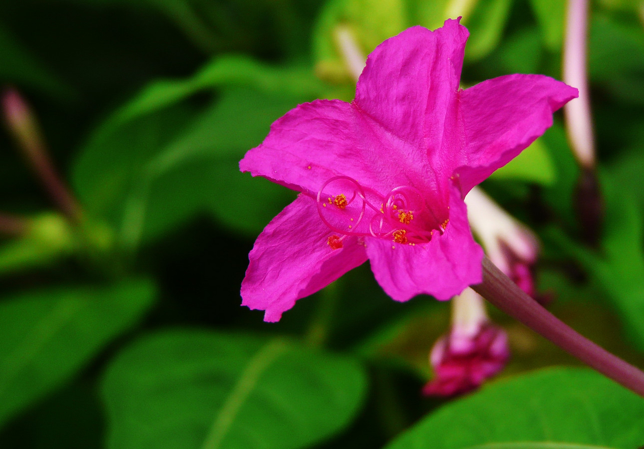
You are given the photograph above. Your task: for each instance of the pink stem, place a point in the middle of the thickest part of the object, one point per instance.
(498, 289)
(26, 132)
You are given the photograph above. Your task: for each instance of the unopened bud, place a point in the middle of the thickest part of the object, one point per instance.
(510, 245)
(21, 122)
(470, 353)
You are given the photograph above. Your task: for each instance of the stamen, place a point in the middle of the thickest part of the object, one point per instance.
(405, 217)
(400, 236)
(340, 201)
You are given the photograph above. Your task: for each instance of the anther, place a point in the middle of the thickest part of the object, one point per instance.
(405, 217)
(400, 236)
(340, 201)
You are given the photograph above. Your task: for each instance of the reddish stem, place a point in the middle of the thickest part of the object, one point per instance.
(498, 289)
(24, 128)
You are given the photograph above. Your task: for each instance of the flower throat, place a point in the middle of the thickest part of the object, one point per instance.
(401, 216)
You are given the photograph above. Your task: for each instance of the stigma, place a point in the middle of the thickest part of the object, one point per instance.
(335, 242)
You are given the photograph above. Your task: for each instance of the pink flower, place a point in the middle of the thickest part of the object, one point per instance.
(383, 177)
(470, 353)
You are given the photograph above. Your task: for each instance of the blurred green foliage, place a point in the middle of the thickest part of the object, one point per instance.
(560, 408)
(124, 329)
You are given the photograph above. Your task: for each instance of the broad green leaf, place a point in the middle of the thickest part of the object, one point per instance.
(532, 165)
(18, 65)
(559, 194)
(111, 164)
(486, 26)
(630, 6)
(224, 71)
(368, 22)
(47, 336)
(616, 57)
(148, 175)
(188, 389)
(563, 406)
(551, 16)
(619, 267)
(521, 52)
(485, 20)
(628, 168)
(432, 15)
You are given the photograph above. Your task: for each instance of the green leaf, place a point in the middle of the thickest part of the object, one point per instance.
(486, 26)
(110, 166)
(204, 390)
(18, 65)
(224, 71)
(551, 16)
(48, 238)
(559, 194)
(369, 22)
(148, 175)
(46, 337)
(561, 408)
(532, 165)
(485, 20)
(521, 51)
(616, 58)
(619, 267)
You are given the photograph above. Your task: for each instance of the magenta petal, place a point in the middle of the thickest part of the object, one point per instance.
(409, 90)
(502, 116)
(464, 369)
(311, 144)
(443, 268)
(409, 79)
(291, 259)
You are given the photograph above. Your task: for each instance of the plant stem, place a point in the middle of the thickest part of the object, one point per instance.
(318, 331)
(23, 126)
(498, 289)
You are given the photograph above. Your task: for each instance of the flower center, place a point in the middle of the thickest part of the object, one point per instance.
(351, 209)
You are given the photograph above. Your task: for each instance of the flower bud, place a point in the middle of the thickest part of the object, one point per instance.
(22, 123)
(471, 352)
(510, 245)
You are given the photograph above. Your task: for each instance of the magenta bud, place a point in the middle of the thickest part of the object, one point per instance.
(462, 365)
(471, 352)
(21, 122)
